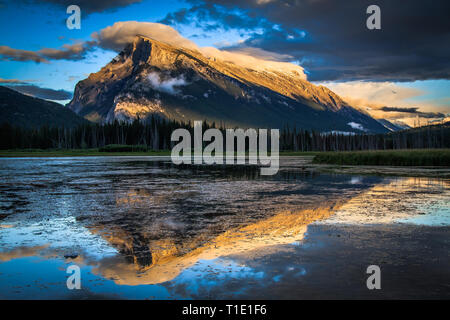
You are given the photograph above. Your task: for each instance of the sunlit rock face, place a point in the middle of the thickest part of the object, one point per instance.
(150, 77)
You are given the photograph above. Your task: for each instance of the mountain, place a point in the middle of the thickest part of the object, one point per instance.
(393, 125)
(24, 111)
(151, 77)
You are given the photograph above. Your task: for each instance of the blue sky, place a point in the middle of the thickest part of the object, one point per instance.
(33, 25)
(44, 26)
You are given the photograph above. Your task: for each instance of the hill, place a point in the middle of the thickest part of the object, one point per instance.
(24, 111)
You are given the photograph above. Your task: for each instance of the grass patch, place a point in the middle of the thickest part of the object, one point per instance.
(422, 157)
(109, 150)
(123, 148)
(77, 153)
(298, 153)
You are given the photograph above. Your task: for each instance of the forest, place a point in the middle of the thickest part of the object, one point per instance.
(154, 134)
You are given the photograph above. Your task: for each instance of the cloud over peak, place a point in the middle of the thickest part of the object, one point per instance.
(117, 36)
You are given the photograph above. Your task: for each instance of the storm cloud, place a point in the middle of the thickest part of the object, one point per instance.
(91, 6)
(330, 38)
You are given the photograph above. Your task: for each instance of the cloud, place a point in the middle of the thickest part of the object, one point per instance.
(211, 17)
(262, 54)
(166, 85)
(245, 59)
(13, 81)
(43, 93)
(91, 6)
(395, 109)
(74, 52)
(388, 100)
(330, 37)
(374, 94)
(356, 125)
(24, 87)
(116, 37)
(8, 53)
(414, 111)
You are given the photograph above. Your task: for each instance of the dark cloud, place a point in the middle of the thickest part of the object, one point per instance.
(8, 53)
(414, 111)
(43, 93)
(395, 109)
(413, 43)
(75, 51)
(91, 6)
(211, 17)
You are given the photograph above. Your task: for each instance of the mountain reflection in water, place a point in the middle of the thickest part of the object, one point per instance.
(162, 260)
(139, 222)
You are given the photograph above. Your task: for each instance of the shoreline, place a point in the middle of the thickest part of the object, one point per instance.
(300, 162)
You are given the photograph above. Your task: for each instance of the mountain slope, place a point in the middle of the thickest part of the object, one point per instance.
(24, 111)
(394, 125)
(151, 77)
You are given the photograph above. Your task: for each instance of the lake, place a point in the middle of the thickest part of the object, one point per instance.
(143, 228)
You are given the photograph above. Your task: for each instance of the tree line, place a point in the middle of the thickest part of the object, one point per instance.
(155, 134)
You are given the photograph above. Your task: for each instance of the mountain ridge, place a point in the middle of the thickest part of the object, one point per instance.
(152, 77)
(18, 109)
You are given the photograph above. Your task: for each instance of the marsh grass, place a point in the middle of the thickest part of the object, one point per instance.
(420, 157)
(124, 148)
(78, 153)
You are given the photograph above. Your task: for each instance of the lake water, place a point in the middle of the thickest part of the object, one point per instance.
(142, 228)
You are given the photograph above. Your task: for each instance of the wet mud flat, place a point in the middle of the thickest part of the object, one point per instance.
(142, 228)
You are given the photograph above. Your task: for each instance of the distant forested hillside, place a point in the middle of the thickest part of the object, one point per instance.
(19, 110)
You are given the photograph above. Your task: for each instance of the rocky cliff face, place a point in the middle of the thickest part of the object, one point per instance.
(150, 77)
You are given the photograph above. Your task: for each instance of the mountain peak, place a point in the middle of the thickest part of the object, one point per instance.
(153, 77)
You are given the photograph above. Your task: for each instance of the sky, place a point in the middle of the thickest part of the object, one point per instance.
(398, 72)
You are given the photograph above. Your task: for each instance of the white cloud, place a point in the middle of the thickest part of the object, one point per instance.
(356, 125)
(168, 85)
(255, 59)
(372, 96)
(116, 37)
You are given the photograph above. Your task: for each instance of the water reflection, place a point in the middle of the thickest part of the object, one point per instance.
(421, 201)
(162, 260)
(138, 222)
